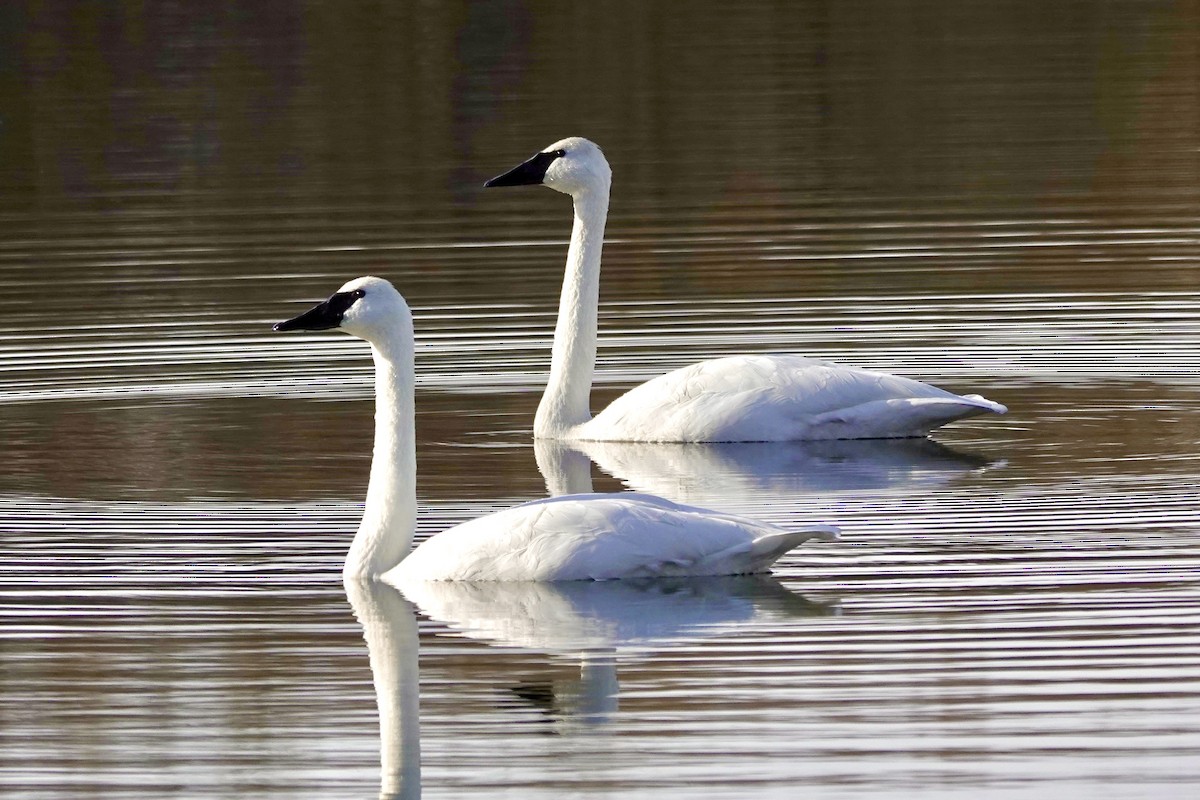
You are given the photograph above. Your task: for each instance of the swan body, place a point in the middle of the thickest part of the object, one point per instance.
(777, 398)
(736, 399)
(576, 537)
(600, 537)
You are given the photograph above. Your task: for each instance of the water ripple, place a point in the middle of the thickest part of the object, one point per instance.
(1060, 337)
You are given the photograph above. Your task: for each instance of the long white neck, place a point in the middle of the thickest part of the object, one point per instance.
(565, 403)
(390, 629)
(385, 534)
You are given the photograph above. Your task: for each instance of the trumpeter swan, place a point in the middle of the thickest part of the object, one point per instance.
(577, 537)
(735, 399)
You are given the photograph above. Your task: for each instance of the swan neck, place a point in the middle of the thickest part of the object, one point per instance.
(565, 403)
(385, 534)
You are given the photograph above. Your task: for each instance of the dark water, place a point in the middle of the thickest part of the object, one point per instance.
(999, 198)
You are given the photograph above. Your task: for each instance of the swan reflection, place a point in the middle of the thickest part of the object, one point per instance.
(390, 629)
(595, 621)
(713, 473)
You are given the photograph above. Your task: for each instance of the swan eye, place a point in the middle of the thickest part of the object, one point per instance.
(560, 153)
(358, 293)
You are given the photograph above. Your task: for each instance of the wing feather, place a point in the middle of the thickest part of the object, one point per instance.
(596, 537)
(777, 398)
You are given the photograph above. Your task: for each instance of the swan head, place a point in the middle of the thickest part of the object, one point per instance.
(572, 166)
(369, 308)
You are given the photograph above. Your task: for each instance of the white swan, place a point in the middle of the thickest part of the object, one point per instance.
(579, 537)
(736, 399)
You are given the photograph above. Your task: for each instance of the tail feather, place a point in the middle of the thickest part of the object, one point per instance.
(897, 418)
(767, 550)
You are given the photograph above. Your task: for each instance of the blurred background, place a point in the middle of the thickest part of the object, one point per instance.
(189, 139)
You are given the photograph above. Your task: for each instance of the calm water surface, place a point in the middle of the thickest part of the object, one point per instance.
(999, 200)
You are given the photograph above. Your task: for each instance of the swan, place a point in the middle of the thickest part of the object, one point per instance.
(576, 537)
(734, 399)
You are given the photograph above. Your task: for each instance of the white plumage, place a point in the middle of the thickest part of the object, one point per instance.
(736, 399)
(778, 398)
(600, 537)
(577, 537)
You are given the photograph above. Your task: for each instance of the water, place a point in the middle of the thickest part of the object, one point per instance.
(1001, 200)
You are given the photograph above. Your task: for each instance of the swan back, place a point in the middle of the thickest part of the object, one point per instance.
(778, 398)
(601, 537)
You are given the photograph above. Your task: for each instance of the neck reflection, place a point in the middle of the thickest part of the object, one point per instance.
(390, 630)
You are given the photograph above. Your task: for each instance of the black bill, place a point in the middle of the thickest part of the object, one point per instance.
(529, 172)
(323, 317)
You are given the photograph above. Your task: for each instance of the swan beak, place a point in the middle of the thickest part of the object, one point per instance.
(323, 317)
(527, 173)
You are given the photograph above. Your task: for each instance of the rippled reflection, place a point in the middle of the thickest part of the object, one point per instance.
(706, 474)
(390, 629)
(597, 622)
